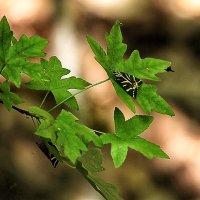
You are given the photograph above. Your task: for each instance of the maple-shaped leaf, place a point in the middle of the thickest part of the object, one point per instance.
(135, 67)
(73, 137)
(149, 100)
(115, 53)
(92, 160)
(89, 164)
(14, 54)
(126, 136)
(52, 79)
(9, 98)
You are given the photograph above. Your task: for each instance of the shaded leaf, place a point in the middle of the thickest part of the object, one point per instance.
(5, 40)
(91, 163)
(72, 137)
(45, 128)
(14, 54)
(9, 98)
(92, 160)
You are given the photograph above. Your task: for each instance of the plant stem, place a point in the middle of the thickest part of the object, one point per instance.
(44, 99)
(25, 112)
(73, 95)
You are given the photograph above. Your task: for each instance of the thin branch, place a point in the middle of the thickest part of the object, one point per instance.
(25, 112)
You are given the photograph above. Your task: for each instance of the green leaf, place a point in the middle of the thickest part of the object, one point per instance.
(67, 140)
(41, 113)
(148, 99)
(126, 136)
(5, 40)
(53, 79)
(92, 160)
(9, 98)
(146, 68)
(132, 127)
(147, 148)
(99, 53)
(123, 95)
(90, 164)
(46, 128)
(119, 151)
(14, 54)
(72, 137)
(107, 190)
(115, 47)
(27, 48)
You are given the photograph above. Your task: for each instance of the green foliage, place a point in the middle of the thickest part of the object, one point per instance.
(147, 68)
(51, 80)
(90, 164)
(73, 143)
(149, 100)
(126, 135)
(9, 98)
(14, 55)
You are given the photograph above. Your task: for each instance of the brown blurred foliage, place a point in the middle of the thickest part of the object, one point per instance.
(167, 30)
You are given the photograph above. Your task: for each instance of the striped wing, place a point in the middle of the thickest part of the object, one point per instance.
(128, 82)
(47, 153)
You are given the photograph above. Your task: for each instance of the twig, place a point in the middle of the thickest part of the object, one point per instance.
(25, 112)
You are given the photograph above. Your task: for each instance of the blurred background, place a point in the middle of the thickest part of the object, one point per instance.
(165, 29)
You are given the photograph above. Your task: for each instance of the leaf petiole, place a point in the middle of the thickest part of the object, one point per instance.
(73, 95)
(44, 98)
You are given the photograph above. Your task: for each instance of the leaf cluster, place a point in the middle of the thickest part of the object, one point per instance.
(76, 144)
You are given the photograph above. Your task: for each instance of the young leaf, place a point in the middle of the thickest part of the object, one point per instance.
(9, 98)
(126, 135)
(53, 80)
(148, 99)
(70, 134)
(91, 163)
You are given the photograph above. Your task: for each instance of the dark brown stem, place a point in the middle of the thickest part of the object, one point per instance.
(25, 112)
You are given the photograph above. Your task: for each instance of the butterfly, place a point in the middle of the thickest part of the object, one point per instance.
(128, 82)
(47, 153)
